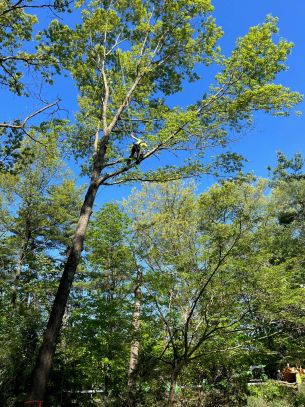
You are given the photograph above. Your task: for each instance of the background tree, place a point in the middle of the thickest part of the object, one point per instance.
(37, 215)
(282, 240)
(250, 312)
(195, 255)
(211, 280)
(98, 331)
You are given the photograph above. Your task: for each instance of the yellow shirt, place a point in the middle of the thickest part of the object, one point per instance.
(140, 142)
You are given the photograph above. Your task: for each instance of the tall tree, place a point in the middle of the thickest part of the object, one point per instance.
(111, 255)
(126, 58)
(282, 240)
(99, 330)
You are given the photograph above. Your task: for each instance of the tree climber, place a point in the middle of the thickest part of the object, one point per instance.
(137, 149)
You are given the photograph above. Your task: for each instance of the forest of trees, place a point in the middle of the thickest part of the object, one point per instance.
(166, 297)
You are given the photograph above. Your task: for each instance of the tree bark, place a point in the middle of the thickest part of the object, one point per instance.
(16, 279)
(135, 344)
(21, 257)
(44, 361)
(172, 391)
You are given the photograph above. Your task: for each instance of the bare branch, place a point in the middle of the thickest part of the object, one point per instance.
(219, 263)
(24, 122)
(96, 138)
(116, 44)
(238, 346)
(105, 100)
(168, 328)
(147, 179)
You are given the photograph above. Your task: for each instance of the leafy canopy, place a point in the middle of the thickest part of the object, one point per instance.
(128, 57)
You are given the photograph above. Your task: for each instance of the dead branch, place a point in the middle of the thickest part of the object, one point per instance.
(29, 117)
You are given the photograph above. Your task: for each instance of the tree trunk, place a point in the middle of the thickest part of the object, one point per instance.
(135, 344)
(16, 279)
(174, 377)
(21, 257)
(44, 361)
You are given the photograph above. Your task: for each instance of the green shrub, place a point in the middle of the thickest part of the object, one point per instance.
(272, 394)
(271, 390)
(257, 401)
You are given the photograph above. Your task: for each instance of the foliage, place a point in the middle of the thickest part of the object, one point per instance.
(175, 237)
(221, 273)
(37, 217)
(21, 60)
(273, 394)
(16, 32)
(128, 57)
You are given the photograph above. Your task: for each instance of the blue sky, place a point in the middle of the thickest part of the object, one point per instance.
(269, 134)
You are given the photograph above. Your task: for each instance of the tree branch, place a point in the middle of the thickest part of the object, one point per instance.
(24, 122)
(19, 5)
(239, 346)
(219, 263)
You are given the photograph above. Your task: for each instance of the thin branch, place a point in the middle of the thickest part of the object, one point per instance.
(214, 98)
(125, 102)
(105, 100)
(217, 328)
(33, 138)
(168, 328)
(18, 5)
(13, 7)
(10, 74)
(146, 37)
(24, 122)
(116, 44)
(238, 346)
(139, 179)
(219, 263)
(31, 60)
(113, 163)
(137, 80)
(163, 353)
(131, 119)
